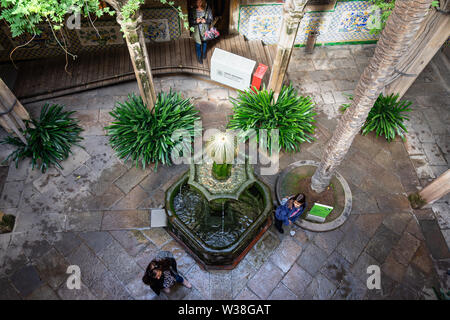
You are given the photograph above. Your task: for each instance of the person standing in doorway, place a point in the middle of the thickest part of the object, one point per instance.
(200, 17)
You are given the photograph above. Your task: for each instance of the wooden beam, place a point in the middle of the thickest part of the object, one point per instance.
(435, 30)
(13, 112)
(7, 96)
(436, 189)
(234, 17)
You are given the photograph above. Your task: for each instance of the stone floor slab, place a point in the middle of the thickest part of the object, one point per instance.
(78, 157)
(297, 280)
(125, 219)
(281, 292)
(336, 268)
(320, 288)
(84, 221)
(131, 178)
(382, 243)
(200, 279)
(262, 250)
(351, 288)
(442, 213)
(221, 285)
(97, 240)
(52, 268)
(132, 241)
(247, 294)
(393, 268)
(122, 265)
(405, 249)
(26, 280)
(265, 280)
(11, 194)
(434, 239)
(7, 291)
(353, 244)
(43, 293)
(240, 276)
(82, 294)
(66, 242)
(312, 258)
(329, 240)
(286, 254)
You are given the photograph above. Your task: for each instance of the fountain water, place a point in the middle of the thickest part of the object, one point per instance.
(218, 220)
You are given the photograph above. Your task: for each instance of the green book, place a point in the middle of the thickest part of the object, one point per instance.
(319, 212)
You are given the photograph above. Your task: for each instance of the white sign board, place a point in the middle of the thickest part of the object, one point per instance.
(232, 70)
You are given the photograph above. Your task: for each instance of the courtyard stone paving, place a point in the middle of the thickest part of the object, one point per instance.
(95, 213)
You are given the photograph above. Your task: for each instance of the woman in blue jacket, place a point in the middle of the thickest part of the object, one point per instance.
(290, 209)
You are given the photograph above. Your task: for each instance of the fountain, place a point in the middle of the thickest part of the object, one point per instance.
(218, 210)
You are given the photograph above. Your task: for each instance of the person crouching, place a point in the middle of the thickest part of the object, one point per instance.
(290, 209)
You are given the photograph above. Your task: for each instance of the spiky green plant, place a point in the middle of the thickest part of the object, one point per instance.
(146, 137)
(386, 117)
(49, 138)
(291, 114)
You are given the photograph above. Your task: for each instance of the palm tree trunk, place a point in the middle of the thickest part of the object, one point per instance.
(395, 39)
(134, 37)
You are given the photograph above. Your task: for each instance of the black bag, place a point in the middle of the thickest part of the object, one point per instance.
(210, 34)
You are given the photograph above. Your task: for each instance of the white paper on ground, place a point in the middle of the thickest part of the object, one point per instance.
(158, 218)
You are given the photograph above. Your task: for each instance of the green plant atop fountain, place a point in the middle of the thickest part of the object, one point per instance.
(222, 149)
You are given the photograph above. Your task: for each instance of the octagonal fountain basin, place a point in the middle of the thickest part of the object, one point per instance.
(218, 230)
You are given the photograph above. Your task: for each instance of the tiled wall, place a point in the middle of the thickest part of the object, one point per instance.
(160, 24)
(346, 23)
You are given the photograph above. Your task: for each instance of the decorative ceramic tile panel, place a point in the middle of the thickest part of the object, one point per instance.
(156, 30)
(168, 14)
(109, 35)
(347, 23)
(40, 41)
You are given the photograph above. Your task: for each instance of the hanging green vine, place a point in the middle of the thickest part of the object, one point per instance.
(26, 16)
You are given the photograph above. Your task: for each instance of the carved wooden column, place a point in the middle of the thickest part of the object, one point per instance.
(292, 15)
(234, 17)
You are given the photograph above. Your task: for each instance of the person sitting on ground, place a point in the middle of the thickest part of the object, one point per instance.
(290, 209)
(162, 274)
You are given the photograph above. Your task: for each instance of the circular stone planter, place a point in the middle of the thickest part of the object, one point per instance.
(341, 193)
